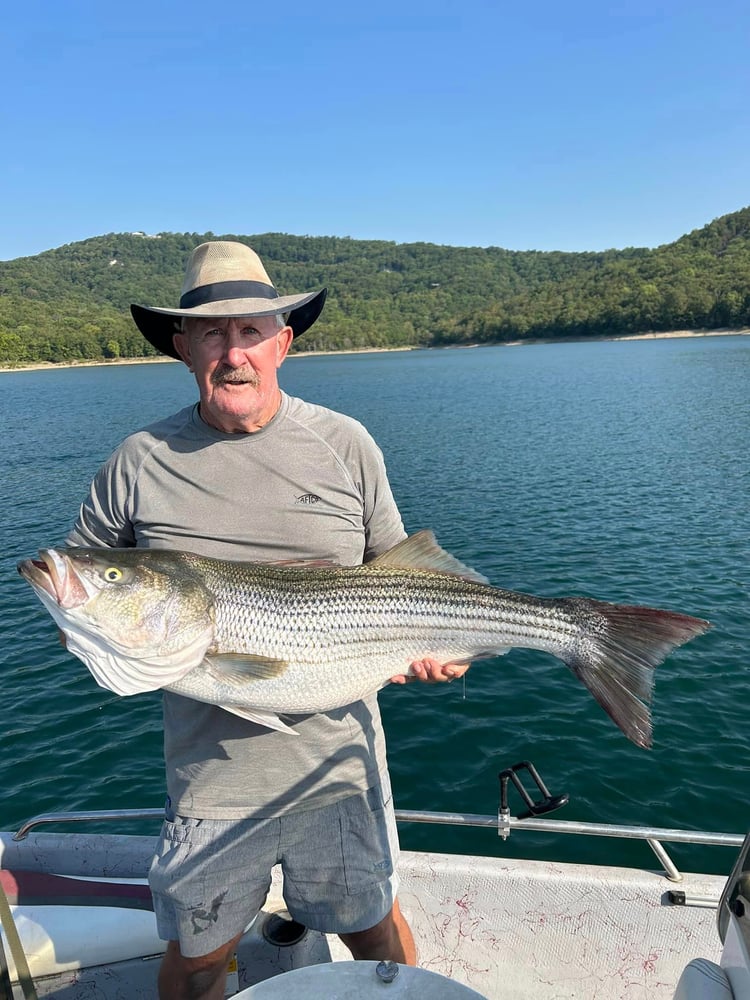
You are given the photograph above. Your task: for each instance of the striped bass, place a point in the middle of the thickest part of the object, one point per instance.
(263, 640)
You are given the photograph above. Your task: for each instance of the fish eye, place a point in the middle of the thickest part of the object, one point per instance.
(112, 574)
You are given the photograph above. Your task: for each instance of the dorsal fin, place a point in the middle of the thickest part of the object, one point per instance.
(421, 551)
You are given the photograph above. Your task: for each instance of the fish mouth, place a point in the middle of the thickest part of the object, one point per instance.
(54, 575)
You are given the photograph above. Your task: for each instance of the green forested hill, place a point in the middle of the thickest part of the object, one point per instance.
(72, 302)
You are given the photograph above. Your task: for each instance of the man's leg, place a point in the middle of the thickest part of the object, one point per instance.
(202, 978)
(340, 877)
(208, 880)
(390, 939)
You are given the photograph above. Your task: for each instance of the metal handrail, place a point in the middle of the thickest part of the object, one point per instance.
(653, 836)
(568, 826)
(502, 823)
(92, 815)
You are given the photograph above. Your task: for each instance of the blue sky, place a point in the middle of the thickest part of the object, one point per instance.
(539, 126)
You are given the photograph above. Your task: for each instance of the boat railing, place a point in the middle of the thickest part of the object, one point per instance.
(503, 823)
(86, 816)
(651, 834)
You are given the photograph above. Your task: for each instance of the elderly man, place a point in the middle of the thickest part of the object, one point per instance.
(251, 473)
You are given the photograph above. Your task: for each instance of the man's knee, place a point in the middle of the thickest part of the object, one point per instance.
(390, 938)
(371, 938)
(185, 978)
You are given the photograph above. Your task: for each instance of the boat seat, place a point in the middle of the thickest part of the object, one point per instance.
(703, 980)
(29, 888)
(68, 923)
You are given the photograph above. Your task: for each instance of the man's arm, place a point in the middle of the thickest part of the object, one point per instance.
(383, 529)
(103, 519)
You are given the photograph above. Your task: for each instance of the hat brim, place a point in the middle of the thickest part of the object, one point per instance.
(158, 325)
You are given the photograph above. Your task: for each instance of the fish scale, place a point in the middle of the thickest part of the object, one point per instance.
(265, 640)
(369, 623)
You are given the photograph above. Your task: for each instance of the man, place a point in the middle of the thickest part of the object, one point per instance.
(251, 473)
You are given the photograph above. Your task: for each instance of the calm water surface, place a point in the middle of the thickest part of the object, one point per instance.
(614, 469)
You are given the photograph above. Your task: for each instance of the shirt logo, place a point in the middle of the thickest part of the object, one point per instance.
(308, 498)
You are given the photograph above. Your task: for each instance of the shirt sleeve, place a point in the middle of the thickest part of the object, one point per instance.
(103, 519)
(384, 527)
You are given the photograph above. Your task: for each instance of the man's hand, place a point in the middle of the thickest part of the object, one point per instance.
(432, 672)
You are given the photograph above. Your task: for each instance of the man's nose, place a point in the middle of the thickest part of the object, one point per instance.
(234, 347)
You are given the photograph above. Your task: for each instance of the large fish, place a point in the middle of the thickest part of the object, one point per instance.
(263, 640)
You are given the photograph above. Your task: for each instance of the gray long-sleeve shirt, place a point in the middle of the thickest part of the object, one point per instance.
(311, 484)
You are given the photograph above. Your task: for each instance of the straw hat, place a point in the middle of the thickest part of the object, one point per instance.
(225, 279)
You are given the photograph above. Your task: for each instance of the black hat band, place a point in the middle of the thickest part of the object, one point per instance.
(218, 291)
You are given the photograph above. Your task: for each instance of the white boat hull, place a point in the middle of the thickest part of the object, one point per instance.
(507, 929)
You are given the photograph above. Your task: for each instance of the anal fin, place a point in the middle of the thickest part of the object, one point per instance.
(267, 719)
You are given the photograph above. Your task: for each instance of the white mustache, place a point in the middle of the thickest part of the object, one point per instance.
(235, 376)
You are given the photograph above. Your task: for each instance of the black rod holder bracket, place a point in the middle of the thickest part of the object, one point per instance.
(537, 807)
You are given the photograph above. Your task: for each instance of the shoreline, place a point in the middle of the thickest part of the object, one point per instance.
(665, 335)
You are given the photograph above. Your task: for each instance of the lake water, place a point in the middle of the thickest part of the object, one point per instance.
(614, 469)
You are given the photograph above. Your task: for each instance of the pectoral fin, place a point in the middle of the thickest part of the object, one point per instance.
(241, 668)
(267, 719)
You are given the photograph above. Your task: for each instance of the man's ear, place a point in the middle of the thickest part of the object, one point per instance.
(284, 340)
(181, 343)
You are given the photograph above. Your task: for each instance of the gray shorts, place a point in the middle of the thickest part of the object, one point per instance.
(210, 877)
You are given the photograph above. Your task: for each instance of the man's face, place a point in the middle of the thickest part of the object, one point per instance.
(235, 362)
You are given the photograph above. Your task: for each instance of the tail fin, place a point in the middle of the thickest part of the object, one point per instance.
(616, 653)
